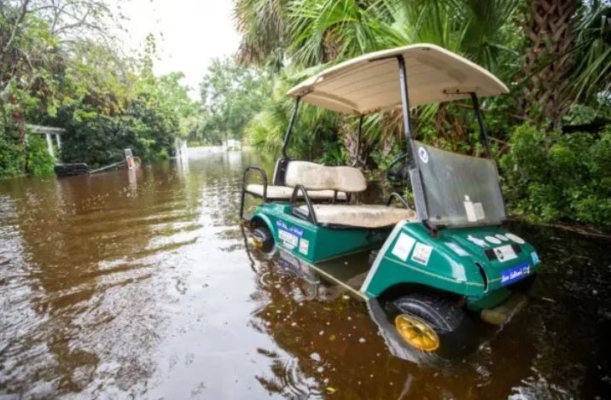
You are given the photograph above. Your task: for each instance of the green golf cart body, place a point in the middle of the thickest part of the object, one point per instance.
(446, 251)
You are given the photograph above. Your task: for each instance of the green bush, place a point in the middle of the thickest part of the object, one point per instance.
(38, 162)
(99, 140)
(162, 155)
(11, 154)
(559, 177)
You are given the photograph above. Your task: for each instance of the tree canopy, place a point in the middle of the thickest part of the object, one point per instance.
(61, 66)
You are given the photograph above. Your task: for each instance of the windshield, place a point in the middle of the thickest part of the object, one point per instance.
(459, 190)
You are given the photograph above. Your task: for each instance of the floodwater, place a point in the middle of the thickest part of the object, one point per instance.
(140, 285)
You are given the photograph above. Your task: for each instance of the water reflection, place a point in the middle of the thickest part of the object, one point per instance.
(139, 285)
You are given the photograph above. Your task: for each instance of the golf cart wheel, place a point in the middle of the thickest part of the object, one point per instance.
(434, 324)
(263, 239)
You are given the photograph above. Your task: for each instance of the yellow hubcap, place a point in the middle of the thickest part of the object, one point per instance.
(417, 332)
(258, 243)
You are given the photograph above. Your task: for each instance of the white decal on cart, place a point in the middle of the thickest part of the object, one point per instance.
(477, 241)
(288, 239)
(515, 238)
(502, 237)
(505, 253)
(457, 249)
(403, 246)
(470, 210)
(422, 253)
(304, 246)
(423, 154)
(492, 240)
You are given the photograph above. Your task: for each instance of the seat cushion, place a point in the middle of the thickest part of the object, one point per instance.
(285, 193)
(320, 177)
(361, 216)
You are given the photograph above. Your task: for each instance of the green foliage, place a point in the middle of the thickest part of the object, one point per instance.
(333, 154)
(147, 128)
(230, 97)
(11, 153)
(383, 159)
(315, 129)
(59, 67)
(593, 51)
(550, 177)
(38, 162)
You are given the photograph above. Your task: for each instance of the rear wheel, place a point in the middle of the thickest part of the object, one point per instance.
(434, 325)
(263, 239)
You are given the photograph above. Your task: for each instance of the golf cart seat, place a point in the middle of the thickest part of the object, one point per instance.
(358, 216)
(309, 176)
(279, 193)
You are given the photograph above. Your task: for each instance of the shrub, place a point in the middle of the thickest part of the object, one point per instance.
(11, 154)
(98, 140)
(38, 161)
(549, 177)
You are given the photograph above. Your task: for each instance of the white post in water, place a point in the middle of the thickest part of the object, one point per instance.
(50, 144)
(129, 159)
(59, 141)
(184, 149)
(181, 150)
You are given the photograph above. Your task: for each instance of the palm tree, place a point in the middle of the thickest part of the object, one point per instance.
(592, 73)
(262, 25)
(549, 59)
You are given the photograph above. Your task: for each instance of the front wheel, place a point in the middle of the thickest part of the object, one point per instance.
(263, 239)
(434, 324)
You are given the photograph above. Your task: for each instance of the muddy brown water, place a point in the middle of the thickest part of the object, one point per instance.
(140, 286)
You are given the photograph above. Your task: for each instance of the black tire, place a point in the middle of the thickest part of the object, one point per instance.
(457, 334)
(264, 240)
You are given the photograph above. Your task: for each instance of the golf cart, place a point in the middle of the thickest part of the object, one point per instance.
(434, 265)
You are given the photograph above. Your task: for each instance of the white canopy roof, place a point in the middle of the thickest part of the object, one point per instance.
(370, 83)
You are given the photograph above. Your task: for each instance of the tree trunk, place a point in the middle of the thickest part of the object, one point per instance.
(548, 61)
(351, 144)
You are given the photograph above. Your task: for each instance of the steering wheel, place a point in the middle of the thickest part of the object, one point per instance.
(398, 170)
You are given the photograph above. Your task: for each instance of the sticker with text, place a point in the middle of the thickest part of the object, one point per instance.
(424, 155)
(505, 253)
(422, 253)
(403, 246)
(292, 229)
(514, 274)
(288, 239)
(304, 246)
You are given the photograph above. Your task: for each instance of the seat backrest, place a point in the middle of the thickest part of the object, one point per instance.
(319, 177)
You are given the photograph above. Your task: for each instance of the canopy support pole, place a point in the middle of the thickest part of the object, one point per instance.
(287, 135)
(414, 171)
(407, 121)
(482, 127)
(358, 141)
